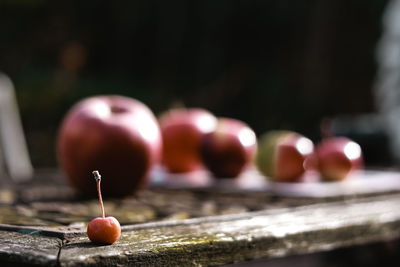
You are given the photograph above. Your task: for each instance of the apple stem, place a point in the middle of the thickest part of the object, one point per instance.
(97, 177)
(326, 128)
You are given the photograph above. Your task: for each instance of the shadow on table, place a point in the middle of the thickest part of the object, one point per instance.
(376, 254)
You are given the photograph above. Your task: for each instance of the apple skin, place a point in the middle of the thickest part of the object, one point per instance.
(119, 136)
(229, 149)
(182, 130)
(338, 157)
(104, 230)
(283, 155)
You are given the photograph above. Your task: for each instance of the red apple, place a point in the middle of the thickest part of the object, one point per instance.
(182, 130)
(117, 135)
(338, 157)
(228, 150)
(282, 155)
(105, 230)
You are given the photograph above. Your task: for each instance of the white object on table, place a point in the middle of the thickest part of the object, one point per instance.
(387, 93)
(14, 156)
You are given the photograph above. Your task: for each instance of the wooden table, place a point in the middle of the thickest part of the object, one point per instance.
(43, 223)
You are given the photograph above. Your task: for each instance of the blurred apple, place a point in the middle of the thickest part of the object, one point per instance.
(338, 157)
(282, 155)
(228, 150)
(119, 136)
(182, 130)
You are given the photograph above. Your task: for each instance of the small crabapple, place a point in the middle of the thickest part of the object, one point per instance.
(103, 230)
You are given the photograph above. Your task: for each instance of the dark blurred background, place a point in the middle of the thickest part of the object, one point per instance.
(273, 64)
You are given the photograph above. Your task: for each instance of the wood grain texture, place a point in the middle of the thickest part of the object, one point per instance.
(182, 227)
(235, 238)
(19, 249)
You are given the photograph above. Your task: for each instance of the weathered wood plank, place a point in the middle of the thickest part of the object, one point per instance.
(28, 249)
(157, 232)
(22, 215)
(53, 205)
(225, 239)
